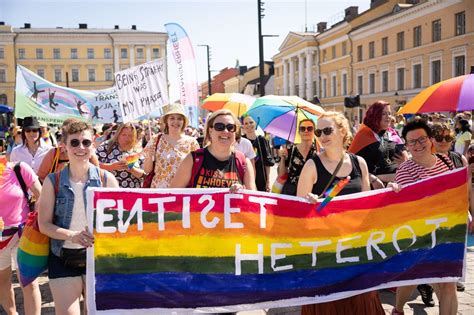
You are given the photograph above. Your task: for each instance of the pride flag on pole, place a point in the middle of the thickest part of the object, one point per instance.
(210, 250)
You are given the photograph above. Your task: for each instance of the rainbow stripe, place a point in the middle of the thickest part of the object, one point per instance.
(196, 267)
(132, 159)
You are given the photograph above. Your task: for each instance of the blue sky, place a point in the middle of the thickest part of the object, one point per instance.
(229, 27)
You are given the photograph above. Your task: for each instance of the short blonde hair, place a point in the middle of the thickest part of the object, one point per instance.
(342, 124)
(210, 122)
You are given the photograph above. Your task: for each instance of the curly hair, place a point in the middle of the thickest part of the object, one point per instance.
(75, 127)
(342, 125)
(373, 116)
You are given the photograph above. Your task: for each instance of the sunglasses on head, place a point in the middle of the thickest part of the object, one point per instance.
(306, 128)
(31, 130)
(447, 138)
(221, 127)
(76, 142)
(327, 131)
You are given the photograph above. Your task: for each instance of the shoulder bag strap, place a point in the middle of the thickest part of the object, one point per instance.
(333, 175)
(17, 169)
(441, 157)
(55, 160)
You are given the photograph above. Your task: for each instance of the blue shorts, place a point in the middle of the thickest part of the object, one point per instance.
(56, 268)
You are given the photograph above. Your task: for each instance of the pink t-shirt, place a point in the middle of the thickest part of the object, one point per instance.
(13, 205)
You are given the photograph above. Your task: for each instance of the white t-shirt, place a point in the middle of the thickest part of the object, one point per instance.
(21, 153)
(461, 138)
(246, 147)
(78, 220)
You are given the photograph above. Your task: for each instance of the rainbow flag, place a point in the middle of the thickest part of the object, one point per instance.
(207, 249)
(132, 159)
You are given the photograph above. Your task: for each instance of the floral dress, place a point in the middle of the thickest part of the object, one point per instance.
(168, 158)
(125, 179)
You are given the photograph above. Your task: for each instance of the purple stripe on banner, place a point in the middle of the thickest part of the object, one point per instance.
(466, 97)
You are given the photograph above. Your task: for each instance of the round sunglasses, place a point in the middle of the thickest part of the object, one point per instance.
(306, 128)
(447, 138)
(327, 131)
(221, 127)
(76, 142)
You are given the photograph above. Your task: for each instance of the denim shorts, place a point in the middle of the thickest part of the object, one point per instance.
(56, 268)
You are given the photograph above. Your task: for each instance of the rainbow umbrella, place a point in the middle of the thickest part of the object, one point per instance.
(453, 95)
(235, 102)
(280, 115)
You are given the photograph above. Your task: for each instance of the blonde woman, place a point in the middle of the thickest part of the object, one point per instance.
(167, 150)
(334, 134)
(112, 154)
(219, 165)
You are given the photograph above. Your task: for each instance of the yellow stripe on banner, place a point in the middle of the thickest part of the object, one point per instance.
(215, 245)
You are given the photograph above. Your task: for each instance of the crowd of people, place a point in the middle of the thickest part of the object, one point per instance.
(224, 152)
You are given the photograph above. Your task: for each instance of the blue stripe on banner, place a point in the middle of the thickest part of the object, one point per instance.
(177, 283)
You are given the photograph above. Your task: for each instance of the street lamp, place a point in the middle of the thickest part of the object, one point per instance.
(260, 46)
(209, 89)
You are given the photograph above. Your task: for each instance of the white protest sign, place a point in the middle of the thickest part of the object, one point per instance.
(141, 89)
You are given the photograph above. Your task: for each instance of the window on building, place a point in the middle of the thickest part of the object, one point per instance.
(324, 88)
(435, 71)
(344, 48)
(417, 76)
(371, 50)
(140, 54)
(2, 53)
(91, 74)
(156, 53)
(108, 75)
(21, 53)
(58, 75)
(334, 86)
(344, 84)
(385, 81)
(360, 84)
(56, 53)
(459, 65)
(75, 75)
(73, 53)
(359, 53)
(325, 55)
(400, 79)
(436, 30)
(40, 72)
(460, 19)
(3, 76)
(39, 53)
(90, 53)
(371, 83)
(417, 36)
(384, 46)
(107, 53)
(123, 53)
(333, 52)
(400, 41)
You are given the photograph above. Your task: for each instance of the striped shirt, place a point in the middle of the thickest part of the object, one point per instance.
(409, 172)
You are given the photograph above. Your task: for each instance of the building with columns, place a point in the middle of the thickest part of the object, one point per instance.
(391, 52)
(80, 58)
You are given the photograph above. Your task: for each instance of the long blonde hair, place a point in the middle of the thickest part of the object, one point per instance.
(210, 122)
(114, 139)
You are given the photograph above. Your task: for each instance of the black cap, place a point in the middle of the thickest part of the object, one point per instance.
(30, 123)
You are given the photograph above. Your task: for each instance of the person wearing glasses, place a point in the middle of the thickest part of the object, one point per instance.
(423, 164)
(32, 151)
(379, 145)
(294, 157)
(219, 165)
(16, 141)
(112, 154)
(166, 151)
(319, 174)
(62, 217)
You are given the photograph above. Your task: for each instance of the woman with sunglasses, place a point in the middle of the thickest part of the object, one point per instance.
(319, 174)
(219, 162)
(32, 151)
(112, 154)
(294, 157)
(62, 217)
(379, 145)
(264, 158)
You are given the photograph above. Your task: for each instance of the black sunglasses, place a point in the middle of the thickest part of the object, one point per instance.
(306, 128)
(75, 143)
(221, 127)
(447, 138)
(31, 130)
(327, 131)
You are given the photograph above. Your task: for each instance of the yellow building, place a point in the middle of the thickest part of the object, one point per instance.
(391, 51)
(80, 58)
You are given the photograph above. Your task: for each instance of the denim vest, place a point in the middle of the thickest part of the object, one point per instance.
(65, 201)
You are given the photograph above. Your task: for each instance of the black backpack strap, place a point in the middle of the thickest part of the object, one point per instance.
(441, 157)
(17, 169)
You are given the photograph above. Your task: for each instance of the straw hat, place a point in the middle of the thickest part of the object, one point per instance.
(173, 108)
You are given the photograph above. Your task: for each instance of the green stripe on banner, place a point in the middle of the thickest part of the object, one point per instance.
(226, 265)
(148, 217)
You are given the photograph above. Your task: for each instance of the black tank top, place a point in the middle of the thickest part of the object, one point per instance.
(216, 174)
(354, 185)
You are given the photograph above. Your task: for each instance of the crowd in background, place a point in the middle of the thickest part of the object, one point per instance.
(59, 163)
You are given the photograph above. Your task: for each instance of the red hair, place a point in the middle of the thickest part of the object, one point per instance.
(373, 116)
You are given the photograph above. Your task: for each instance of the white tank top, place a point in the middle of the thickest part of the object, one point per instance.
(78, 220)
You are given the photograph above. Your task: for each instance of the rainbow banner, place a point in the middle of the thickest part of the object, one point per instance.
(209, 250)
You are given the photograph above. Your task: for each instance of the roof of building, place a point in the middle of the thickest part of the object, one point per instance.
(64, 30)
